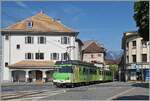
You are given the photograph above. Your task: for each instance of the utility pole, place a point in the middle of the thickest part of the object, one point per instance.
(69, 48)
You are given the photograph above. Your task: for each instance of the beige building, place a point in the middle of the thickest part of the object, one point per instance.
(93, 52)
(136, 57)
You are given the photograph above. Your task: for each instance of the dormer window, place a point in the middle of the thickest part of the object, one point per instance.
(29, 24)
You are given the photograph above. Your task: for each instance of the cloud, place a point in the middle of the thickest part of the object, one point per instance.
(73, 11)
(25, 6)
(21, 4)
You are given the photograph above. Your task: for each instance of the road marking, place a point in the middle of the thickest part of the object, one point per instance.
(46, 94)
(117, 95)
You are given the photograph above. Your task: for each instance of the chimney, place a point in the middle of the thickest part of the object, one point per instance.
(41, 12)
(58, 20)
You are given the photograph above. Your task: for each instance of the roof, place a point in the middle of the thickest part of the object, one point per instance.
(110, 61)
(32, 64)
(87, 43)
(41, 23)
(92, 47)
(128, 35)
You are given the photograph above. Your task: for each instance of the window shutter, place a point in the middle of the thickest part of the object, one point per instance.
(62, 56)
(25, 39)
(38, 40)
(31, 55)
(61, 40)
(45, 40)
(68, 40)
(32, 39)
(57, 56)
(51, 56)
(25, 55)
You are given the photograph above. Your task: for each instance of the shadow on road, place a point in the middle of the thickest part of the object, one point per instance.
(134, 97)
(143, 85)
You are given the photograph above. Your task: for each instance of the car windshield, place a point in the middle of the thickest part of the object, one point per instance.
(66, 69)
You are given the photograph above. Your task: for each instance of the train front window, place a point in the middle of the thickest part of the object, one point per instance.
(66, 69)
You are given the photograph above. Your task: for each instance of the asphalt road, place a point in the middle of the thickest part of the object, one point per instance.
(102, 91)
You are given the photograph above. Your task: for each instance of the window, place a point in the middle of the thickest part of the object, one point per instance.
(134, 58)
(18, 46)
(92, 56)
(67, 69)
(39, 55)
(64, 56)
(92, 71)
(29, 40)
(7, 37)
(100, 72)
(54, 56)
(29, 24)
(65, 40)
(99, 55)
(6, 64)
(143, 43)
(41, 40)
(144, 57)
(134, 44)
(28, 55)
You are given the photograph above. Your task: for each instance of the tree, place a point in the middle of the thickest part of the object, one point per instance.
(141, 16)
(114, 69)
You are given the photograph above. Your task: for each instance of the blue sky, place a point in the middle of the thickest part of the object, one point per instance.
(101, 21)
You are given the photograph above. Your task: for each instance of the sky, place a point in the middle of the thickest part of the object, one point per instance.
(103, 21)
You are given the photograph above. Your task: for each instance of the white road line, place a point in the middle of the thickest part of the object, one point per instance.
(117, 95)
(46, 94)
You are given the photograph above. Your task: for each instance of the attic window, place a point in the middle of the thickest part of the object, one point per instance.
(29, 24)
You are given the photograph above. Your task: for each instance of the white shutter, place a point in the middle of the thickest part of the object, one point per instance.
(62, 56)
(32, 39)
(61, 40)
(68, 41)
(31, 55)
(45, 40)
(57, 56)
(26, 55)
(38, 40)
(25, 39)
(51, 56)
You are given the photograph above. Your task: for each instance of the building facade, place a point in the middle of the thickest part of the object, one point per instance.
(93, 52)
(136, 57)
(31, 47)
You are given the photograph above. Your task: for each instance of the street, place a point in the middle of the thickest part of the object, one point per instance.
(102, 91)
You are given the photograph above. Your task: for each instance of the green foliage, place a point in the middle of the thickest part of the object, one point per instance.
(141, 16)
(113, 67)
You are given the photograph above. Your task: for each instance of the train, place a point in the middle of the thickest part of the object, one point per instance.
(73, 73)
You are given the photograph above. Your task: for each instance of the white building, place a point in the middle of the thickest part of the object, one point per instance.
(31, 47)
(93, 52)
(136, 57)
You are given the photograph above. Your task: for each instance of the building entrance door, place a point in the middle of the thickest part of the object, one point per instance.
(38, 75)
(139, 76)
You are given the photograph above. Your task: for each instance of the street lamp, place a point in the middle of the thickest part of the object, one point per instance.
(69, 48)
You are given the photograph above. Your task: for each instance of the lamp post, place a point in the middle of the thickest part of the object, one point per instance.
(69, 48)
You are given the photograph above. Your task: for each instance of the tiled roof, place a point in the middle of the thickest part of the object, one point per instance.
(87, 43)
(32, 64)
(41, 22)
(93, 47)
(109, 61)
